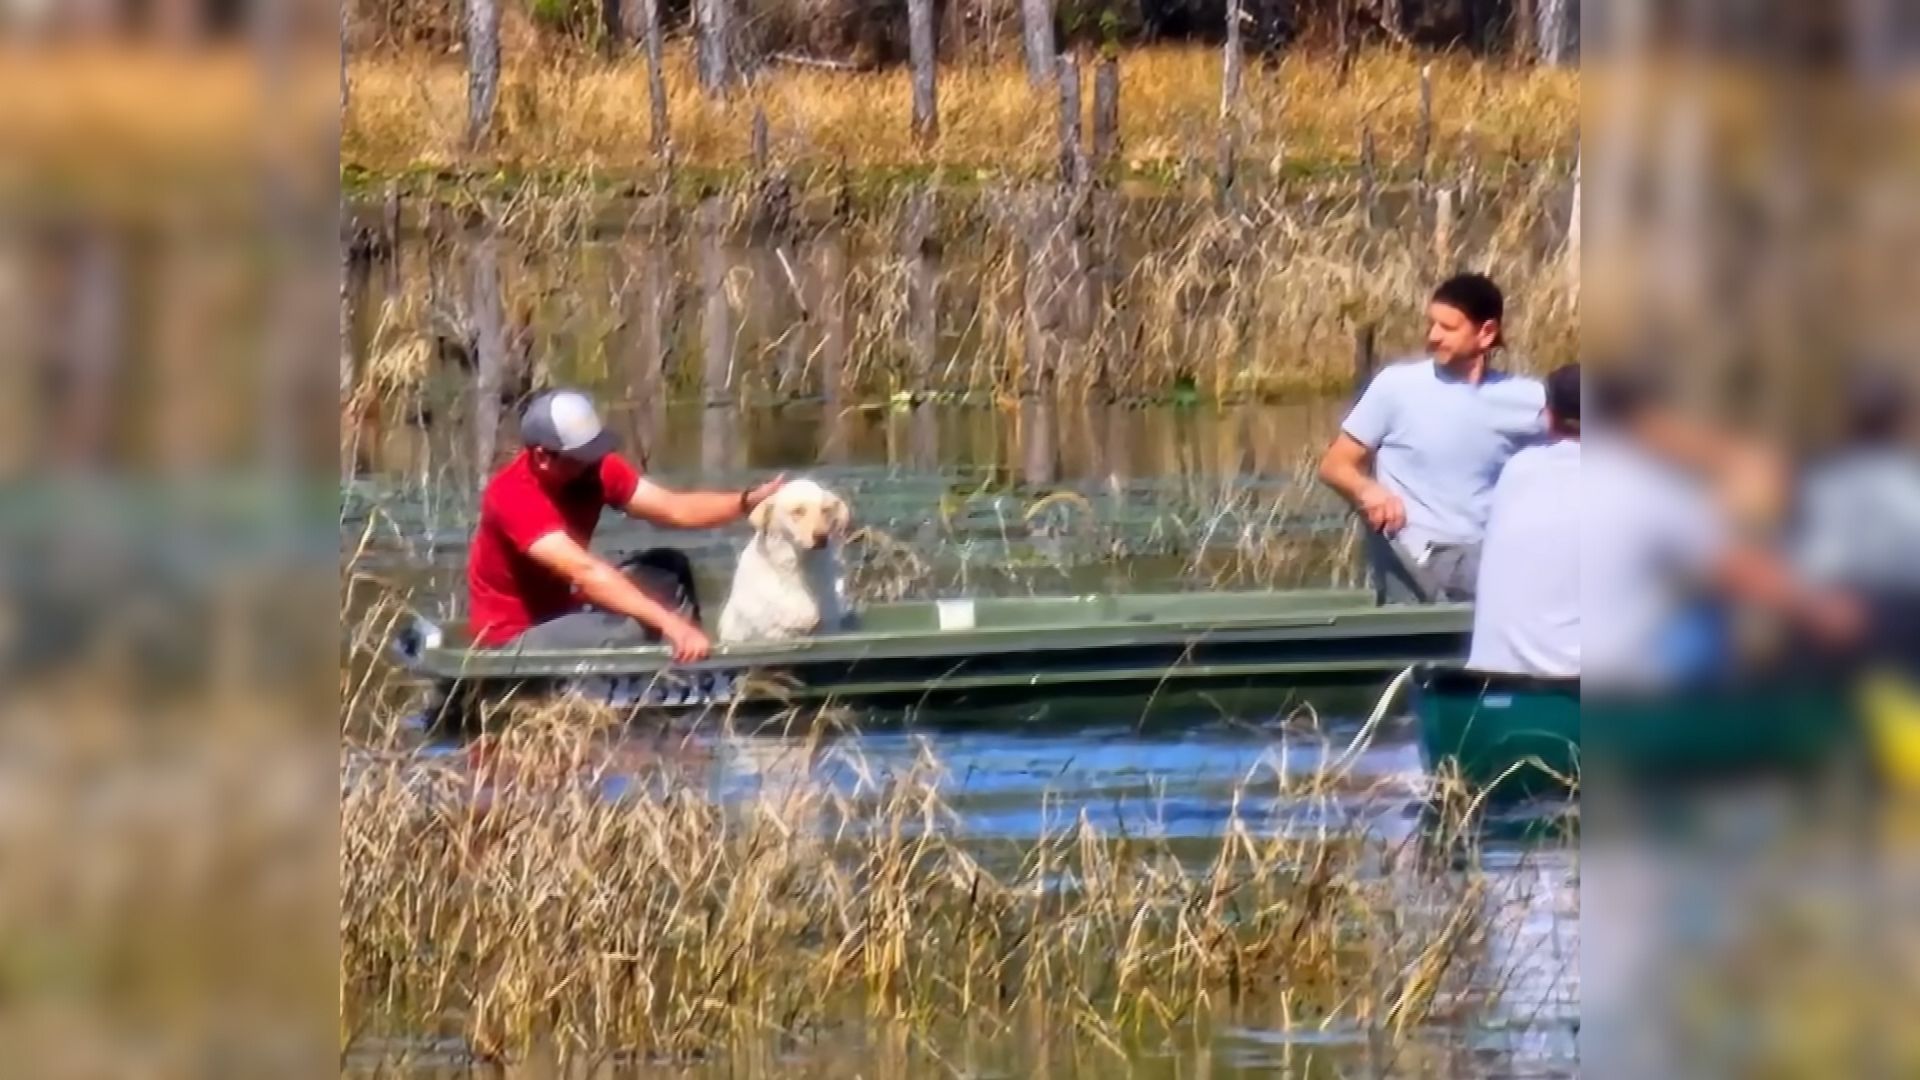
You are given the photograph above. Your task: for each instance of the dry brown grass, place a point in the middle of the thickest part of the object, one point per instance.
(566, 112)
(513, 904)
(1254, 303)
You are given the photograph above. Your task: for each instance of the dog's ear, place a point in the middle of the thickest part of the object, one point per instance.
(839, 515)
(760, 514)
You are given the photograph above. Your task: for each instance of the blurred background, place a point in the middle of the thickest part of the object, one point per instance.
(168, 208)
(1745, 309)
(275, 276)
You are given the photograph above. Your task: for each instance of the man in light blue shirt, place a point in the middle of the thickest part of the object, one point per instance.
(1420, 452)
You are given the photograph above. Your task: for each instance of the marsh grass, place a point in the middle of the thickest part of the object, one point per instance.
(567, 885)
(502, 895)
(1176, 298)
(566, 112)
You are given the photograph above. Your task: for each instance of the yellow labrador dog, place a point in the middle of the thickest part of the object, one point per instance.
(788, 583)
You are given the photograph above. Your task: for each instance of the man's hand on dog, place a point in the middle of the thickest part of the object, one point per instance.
(756, 496)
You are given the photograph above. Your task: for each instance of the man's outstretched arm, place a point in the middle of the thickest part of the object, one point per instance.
(607, 588)
(695, 509)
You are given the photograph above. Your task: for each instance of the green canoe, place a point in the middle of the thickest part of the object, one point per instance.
(1053, 658)
(1523, 738)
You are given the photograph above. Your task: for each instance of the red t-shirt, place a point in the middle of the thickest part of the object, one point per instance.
(507, 590)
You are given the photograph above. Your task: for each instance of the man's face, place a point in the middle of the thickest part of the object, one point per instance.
(1452, 337)
(554, 470)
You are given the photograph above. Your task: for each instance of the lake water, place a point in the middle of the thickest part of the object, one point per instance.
(981, 494)
(1192, 506)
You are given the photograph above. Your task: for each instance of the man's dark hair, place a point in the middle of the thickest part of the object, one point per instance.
(1625, 390)
(1474, 295)
(1563, 398)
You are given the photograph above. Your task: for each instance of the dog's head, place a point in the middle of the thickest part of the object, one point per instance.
(803, 514)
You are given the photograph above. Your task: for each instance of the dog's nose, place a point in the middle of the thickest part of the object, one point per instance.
(820, 539)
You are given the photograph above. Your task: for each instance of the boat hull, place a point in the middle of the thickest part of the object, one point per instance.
(1058, 659)
(1520, 738)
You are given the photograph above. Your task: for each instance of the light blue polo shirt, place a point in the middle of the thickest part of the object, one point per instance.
(1439, 443)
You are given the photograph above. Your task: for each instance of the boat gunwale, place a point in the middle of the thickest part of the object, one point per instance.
(458, 662)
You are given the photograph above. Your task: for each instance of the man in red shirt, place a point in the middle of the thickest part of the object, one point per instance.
(531, 579)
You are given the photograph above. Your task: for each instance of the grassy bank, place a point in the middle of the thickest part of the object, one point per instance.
(577, 115)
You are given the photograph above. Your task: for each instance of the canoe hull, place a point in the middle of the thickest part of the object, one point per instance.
(1533, 738)
(1511, 741)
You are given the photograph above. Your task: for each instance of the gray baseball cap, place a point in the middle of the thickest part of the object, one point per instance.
(565, 423)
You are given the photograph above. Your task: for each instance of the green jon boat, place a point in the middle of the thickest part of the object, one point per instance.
(1039, 658)
(1523, 738)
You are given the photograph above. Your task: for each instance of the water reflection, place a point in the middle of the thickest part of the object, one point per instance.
(1041, 441)
(717, 359)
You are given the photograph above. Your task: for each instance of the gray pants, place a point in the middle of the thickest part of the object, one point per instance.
(664, 574)
(1450, 575)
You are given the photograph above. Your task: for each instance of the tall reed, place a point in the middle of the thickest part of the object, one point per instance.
(564, 112)
(1160, 296)
(515, 896)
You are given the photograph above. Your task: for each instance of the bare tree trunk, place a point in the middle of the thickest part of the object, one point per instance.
(350, 297)
(1230, 66)
(1045, 225)
(923, 438)
(343, 61)
(1444, 223)
(651, 280)
(716, 329)
(832, 272)
(390, 240)
(923, 284)
(1039, 449)
(1369, 186)
(1394, 16)
(1106, 114)
(1553, 37)
(926, 109)
(722, 450)
(1425, 146)
(1036, 18)
(953, 31)
(483, 68)
(656, 79)
(613, 29)
(1573, 229)
(489, 345)
(1229, 138)
(1526, 30)
(714, 26)
(96, 349)
(1344, 14)
(1443, 226)
(1365, 355)
(760, 144)
(1073, 163)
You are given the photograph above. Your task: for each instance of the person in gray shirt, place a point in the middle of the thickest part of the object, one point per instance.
(1857, 523)
(1419, 453)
